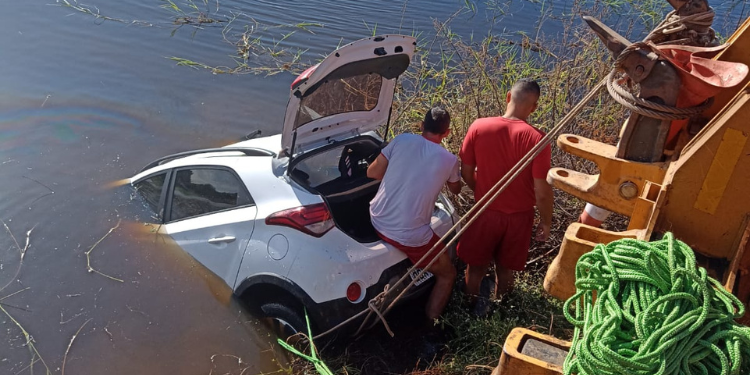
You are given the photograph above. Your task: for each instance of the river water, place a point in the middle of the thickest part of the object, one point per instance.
(87, 101)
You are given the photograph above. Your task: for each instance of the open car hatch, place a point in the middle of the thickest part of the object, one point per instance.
(348, 93)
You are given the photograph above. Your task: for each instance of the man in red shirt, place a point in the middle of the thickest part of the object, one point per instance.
(502, 233)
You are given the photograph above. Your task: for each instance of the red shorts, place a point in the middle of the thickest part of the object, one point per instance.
(416, 253)
(504, 238)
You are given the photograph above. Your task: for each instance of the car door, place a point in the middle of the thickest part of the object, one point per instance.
(211, 215)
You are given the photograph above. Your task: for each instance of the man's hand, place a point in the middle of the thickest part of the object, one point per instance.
(454, 187)
(542, 233)
(544, 203)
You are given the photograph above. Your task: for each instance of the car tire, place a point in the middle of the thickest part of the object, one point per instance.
(284, 320)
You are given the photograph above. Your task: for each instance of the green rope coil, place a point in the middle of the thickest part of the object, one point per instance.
(645, 308)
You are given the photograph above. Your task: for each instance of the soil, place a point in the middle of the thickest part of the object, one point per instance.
(416, 345)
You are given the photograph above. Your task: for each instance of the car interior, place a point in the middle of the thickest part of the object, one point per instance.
(339, 174)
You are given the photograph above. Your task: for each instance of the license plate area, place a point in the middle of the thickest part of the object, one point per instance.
(414, 273)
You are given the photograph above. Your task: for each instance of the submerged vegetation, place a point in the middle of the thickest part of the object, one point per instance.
(259, 47)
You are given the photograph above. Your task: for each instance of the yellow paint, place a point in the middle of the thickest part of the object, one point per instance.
(513, 362)
(729, 152)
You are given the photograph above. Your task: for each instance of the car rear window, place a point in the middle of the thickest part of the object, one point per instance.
(198, 191)
(350, 94)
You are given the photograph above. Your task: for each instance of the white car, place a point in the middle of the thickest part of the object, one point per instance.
(284, 220)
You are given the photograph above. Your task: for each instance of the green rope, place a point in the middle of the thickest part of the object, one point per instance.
(320, 366)
(645, 308)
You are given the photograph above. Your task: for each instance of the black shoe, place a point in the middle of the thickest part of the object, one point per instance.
(432, 343)
(484, 302)
(487, 287)
(462, 285)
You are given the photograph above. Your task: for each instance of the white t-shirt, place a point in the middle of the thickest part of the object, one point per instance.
(417, 170)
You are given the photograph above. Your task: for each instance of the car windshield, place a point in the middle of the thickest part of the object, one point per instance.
(340, 95)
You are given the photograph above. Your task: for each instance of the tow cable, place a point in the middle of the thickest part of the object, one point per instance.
(469, 218)
(376, 304)
(644, 308)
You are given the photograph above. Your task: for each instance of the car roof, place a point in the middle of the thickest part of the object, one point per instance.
(230, 156)
(256, 173)
(233, 159)
(271, 143)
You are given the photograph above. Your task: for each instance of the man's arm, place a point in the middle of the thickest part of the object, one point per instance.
(544, 203)
(468, 173)
(454, 178)
(454, 187)
(377, 168)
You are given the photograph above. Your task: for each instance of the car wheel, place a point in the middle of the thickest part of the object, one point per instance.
(283, 320)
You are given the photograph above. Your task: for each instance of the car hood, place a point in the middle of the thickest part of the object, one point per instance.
(350, 92)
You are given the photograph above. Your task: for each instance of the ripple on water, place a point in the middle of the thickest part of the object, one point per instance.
(168, 315)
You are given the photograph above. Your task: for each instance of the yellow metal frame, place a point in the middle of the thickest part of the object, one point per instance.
(512, 361)
(702, 196)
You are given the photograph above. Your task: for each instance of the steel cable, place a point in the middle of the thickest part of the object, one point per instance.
(649, 108)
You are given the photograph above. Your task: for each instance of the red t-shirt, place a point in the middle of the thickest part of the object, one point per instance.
(494, 145)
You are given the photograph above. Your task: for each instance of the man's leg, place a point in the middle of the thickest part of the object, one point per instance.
(512, 252)
(504, 281)
(474, 276)
(445, 275)
(593, 215)
(476, 247)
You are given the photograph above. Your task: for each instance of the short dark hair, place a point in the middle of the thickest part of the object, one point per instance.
(525, 89)
(437, 120)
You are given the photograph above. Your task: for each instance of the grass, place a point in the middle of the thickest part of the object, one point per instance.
(480, 343)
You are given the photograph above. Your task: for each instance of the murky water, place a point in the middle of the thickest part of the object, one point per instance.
(85, 102)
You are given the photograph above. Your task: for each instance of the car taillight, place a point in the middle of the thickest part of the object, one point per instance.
(354, 292)
(314, 220)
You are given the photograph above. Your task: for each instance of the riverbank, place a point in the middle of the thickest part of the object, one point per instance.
(470, 79)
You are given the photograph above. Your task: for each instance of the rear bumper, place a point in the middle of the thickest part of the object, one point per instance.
(327, 315)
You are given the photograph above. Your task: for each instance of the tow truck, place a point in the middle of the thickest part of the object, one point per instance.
(682, 172)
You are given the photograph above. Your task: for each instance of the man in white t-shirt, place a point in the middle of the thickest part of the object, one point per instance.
(413, 169)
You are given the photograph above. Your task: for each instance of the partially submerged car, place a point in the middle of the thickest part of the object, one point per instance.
(284, 220)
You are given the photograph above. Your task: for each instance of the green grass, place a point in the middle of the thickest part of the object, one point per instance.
(480, 342)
